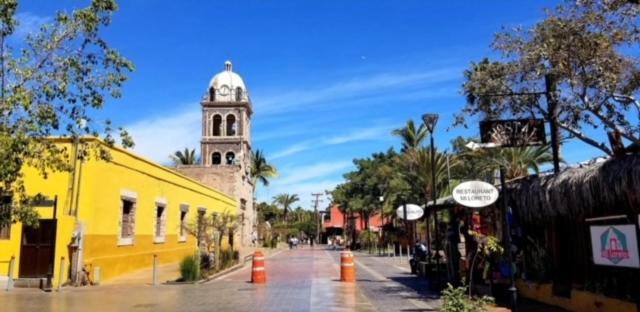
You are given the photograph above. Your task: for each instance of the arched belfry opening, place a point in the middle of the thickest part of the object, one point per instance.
(231, 125)
(216, 159)
(217, 125)
(212, 94)
(238, 94)
(230, 158)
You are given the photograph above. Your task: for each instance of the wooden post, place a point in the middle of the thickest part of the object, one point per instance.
(155, 270)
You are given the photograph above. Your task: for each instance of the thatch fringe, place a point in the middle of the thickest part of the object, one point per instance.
(610, 187)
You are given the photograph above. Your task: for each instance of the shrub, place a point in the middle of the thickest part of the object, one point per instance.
(368, 239)
(190, 268)
(456, 300)
(228, 258)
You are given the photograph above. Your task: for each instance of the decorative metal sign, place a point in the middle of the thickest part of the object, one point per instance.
(615, 245)
(513, 132)
(414, 212)
(475, 194)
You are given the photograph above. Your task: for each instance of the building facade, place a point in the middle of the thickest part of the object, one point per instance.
(108, 217)
(337, 223)
(226, 147)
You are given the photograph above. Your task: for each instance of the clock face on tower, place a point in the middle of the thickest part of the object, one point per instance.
(224, 90)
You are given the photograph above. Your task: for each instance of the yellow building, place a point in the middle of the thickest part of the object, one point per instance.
(113, 215)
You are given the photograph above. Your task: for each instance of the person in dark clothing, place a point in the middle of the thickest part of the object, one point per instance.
(419, 254)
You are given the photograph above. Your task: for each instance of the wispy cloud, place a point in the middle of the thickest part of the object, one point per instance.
(158, 137)
(293, 149)
(363, 134)
(313, 171)
(383, 84)
(304, 180)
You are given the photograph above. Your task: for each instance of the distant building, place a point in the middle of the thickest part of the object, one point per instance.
(112, 215)
(226, 146)
(335, 222)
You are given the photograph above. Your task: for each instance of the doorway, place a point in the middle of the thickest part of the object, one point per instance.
(37, 249)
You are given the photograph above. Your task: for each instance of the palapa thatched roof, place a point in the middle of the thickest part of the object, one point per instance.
(606, 188)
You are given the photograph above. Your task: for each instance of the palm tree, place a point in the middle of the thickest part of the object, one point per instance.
(188, 157)
(412, 138)
(419, 161)
(518, 161)
(261, 170)
(285, 201)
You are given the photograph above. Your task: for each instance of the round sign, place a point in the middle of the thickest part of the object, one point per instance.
(475, 194)
(414, 212)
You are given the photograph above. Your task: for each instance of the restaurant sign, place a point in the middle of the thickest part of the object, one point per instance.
(615, 245)
(475, 194)
(414, 212)
(513, 132)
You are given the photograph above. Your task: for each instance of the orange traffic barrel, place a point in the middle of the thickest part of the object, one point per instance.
(258, 275)
(347, 267)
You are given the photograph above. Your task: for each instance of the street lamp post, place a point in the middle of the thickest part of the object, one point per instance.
(430, 121)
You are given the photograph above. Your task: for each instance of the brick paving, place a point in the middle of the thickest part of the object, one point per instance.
(297, 280)
(388, 282)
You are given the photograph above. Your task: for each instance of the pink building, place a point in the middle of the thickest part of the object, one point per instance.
(334, 222)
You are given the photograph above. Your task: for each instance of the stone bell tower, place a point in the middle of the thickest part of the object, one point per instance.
(226, 117)
(226, 146)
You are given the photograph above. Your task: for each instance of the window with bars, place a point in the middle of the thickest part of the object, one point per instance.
(127, 221)
(159, 224)
(5, 213)
(5, 231)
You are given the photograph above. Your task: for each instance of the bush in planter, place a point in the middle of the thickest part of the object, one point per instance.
(228, 258)
(190, 268)
(456, 300)
(368, 239)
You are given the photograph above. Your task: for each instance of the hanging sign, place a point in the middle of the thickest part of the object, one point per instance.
(513, 132)
(414, 212)
(615, 245)
(475, 194)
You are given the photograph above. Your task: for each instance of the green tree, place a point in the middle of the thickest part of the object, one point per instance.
(268, 212)
(285, 201)
(576, 68)
(482, 163)
(419, 170)
(49, 86)
(188, 157)
(411, 136)
(261, 170)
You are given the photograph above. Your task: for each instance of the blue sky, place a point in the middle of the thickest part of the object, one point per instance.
(329, 80)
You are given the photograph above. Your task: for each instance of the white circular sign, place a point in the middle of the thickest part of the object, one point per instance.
(414, 212)
(475, 194)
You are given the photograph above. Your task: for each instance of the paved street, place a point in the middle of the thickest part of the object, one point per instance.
(297, 280)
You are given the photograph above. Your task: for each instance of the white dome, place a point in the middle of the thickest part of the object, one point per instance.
(226, 84)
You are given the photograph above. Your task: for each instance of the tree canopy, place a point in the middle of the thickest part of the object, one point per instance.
(186, 157)
(261, 170)
(576, 69)
(50, 84)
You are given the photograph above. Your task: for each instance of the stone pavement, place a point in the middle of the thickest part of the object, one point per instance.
(388, 282)
(297, 280)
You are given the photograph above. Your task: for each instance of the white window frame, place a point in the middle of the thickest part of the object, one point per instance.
(182, 235)
(160, 239)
